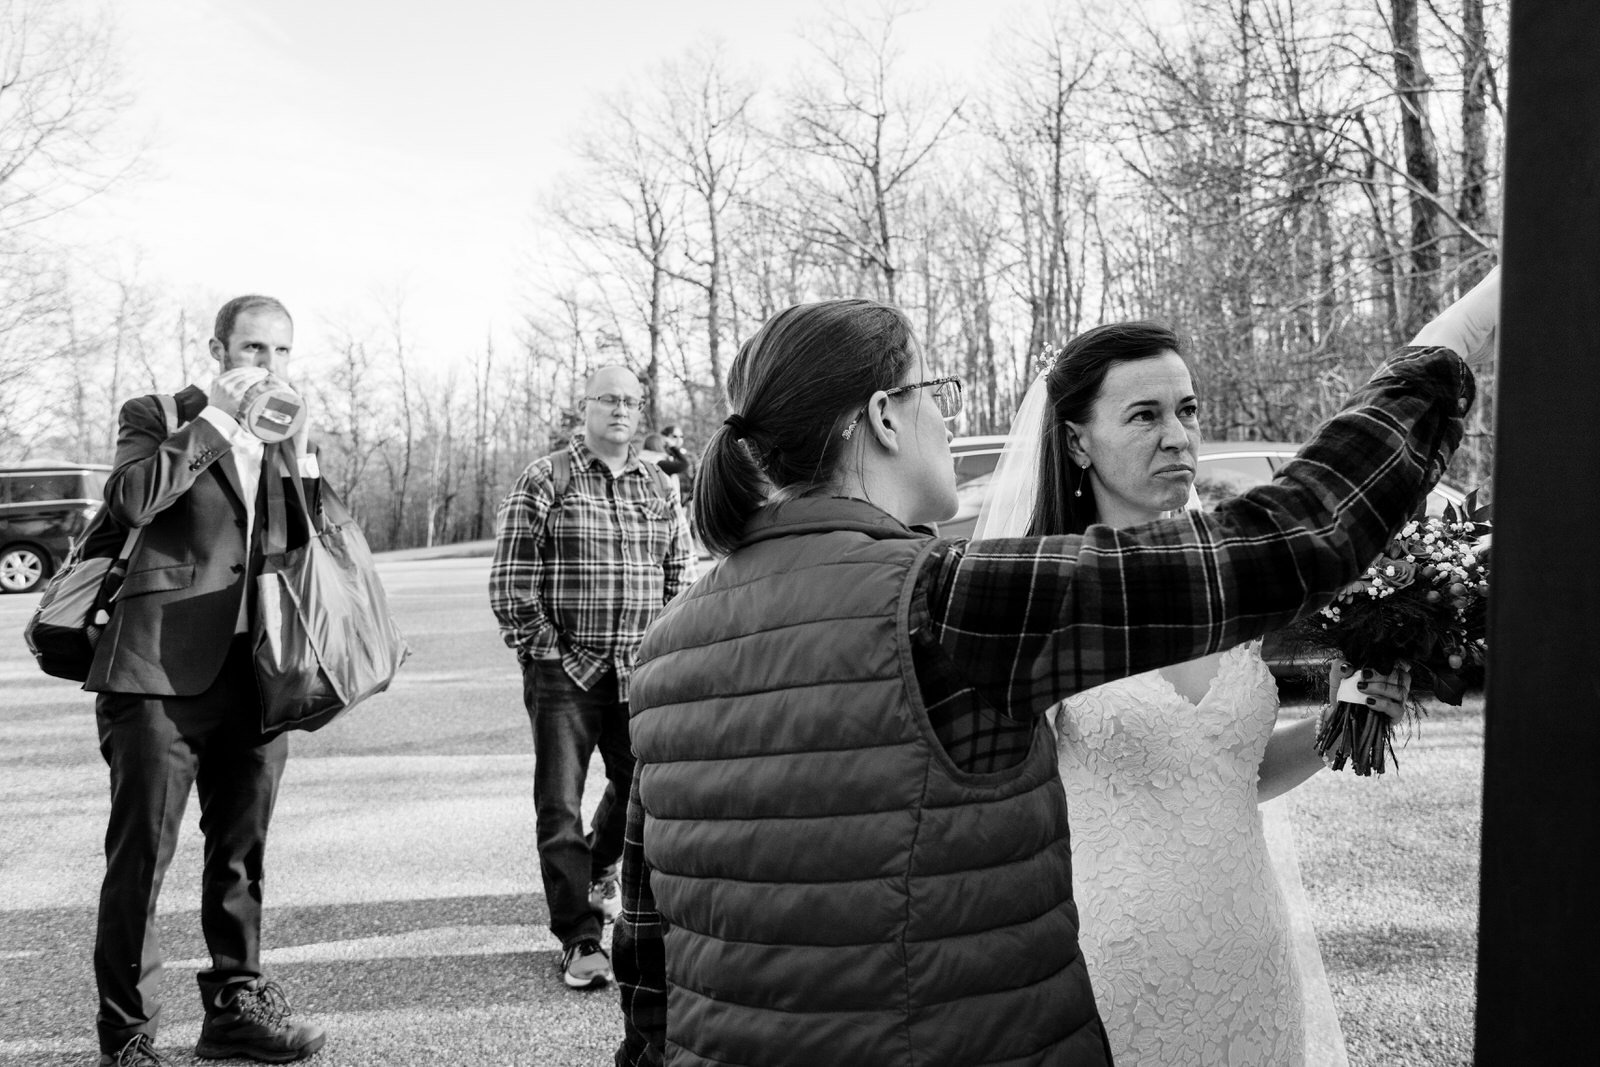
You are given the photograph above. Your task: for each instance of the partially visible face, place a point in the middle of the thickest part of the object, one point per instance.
(1142, 440)
(613, 423)
(930, 473)
(260, 337)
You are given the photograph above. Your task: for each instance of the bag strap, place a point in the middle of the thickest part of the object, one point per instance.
(560, 473)
(561, 476)
(169, 416)
(663, 486)
(280, 464)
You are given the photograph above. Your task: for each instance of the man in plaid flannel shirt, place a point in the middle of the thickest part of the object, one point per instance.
(588, 548)
(1003, 630)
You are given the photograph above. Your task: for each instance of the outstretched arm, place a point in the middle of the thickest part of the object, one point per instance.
(1033, 620)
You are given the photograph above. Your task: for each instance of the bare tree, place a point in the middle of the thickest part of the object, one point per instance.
(865, 140)
(1421, 162)
(59, 98)
(705, 130)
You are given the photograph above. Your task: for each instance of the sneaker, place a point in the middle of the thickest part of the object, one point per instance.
(258, 1024)
(140, 1051)
(605, 896)
(585, 965)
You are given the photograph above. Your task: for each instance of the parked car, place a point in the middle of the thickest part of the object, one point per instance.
(43, 506)
(1225, 469)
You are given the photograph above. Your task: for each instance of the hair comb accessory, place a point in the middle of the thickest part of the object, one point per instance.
(1047, 356)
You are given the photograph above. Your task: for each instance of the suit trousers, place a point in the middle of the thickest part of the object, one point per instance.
(568, 724)
(157, 747)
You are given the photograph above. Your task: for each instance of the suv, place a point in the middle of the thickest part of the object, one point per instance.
(43, 506)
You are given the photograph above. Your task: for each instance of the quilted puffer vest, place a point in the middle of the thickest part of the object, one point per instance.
(837, 892)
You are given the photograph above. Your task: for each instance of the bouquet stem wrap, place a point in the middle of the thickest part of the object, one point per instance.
(1352, 732)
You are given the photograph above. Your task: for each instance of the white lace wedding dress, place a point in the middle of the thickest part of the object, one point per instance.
(1183, 922)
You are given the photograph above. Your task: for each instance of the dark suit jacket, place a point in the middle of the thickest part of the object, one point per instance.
(175, 615)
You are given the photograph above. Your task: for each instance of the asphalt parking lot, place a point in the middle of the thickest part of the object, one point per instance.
(403, 901)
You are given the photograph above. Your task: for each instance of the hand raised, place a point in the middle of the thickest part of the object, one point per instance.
(229, 387)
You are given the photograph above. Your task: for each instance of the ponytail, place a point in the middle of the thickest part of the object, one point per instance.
(791, 388)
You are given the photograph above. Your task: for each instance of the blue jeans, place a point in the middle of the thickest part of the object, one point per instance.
(568, 724)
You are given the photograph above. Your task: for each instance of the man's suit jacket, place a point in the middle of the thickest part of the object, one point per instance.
(175, 615)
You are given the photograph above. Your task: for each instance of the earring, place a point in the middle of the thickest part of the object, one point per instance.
(1079, 491)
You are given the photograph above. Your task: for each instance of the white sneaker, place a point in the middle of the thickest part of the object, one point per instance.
(585, 965)
(605, 896)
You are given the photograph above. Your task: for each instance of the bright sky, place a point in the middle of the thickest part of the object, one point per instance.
(332, 151)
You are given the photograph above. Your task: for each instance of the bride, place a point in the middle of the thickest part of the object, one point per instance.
(1184, 925)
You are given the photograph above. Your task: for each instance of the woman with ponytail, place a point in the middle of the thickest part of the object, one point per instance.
(847, 841)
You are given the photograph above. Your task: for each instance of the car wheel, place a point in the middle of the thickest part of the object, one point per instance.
(22, 569)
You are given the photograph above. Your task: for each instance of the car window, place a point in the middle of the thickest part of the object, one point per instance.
(972, 465)
(1219, 477)
(34, 488)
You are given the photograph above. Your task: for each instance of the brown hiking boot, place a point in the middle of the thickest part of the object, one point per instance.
(258, 1023)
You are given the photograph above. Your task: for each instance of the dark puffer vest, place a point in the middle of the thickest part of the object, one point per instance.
(837, 892)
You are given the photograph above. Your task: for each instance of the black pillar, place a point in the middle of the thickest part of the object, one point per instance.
(1539, 927)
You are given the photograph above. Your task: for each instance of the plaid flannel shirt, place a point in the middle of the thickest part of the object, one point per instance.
(582, 578)
(1005, 629)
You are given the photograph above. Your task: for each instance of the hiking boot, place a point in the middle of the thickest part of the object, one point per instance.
(140, 1051)
(585, 965)
(605, 896)
(258, 1024)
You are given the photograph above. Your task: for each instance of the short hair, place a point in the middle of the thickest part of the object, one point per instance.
(239, 305)
(655, 442)
(671, 430)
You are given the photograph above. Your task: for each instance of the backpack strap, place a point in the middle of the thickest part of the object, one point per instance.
(561, 476)
(663, 486)
(169, 415)
(560, 472)
(169, 411)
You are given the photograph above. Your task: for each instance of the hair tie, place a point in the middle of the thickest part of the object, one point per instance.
(736, 423)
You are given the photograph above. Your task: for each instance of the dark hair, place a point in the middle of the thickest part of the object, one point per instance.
(1072, 387)
(792, 387)
(669, 430)
(655, 442)
(238, 306)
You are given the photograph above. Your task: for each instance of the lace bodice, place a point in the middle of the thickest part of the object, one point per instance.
(1183, 922)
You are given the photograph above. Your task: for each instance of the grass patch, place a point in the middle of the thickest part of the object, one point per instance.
(1391, 871)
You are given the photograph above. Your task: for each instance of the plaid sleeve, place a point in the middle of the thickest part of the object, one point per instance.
(679, 568)
(516, 574)
(1033, 620)
(638, 951)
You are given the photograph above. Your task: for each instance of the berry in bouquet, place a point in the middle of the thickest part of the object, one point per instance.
(1420, 607)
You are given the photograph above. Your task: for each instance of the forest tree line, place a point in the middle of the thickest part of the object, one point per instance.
(1295, 185)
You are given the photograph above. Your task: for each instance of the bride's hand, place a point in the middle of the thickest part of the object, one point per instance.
(1385, 694)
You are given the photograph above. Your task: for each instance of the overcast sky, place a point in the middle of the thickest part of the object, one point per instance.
(329, 150)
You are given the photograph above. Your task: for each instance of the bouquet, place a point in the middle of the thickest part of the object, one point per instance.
(1422, 607)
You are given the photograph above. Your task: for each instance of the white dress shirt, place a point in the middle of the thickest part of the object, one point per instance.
(247, 451)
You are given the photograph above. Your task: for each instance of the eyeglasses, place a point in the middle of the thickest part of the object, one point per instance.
(612, 400)
(946, 394)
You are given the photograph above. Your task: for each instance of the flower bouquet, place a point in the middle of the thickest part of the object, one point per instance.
(1422, 607)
